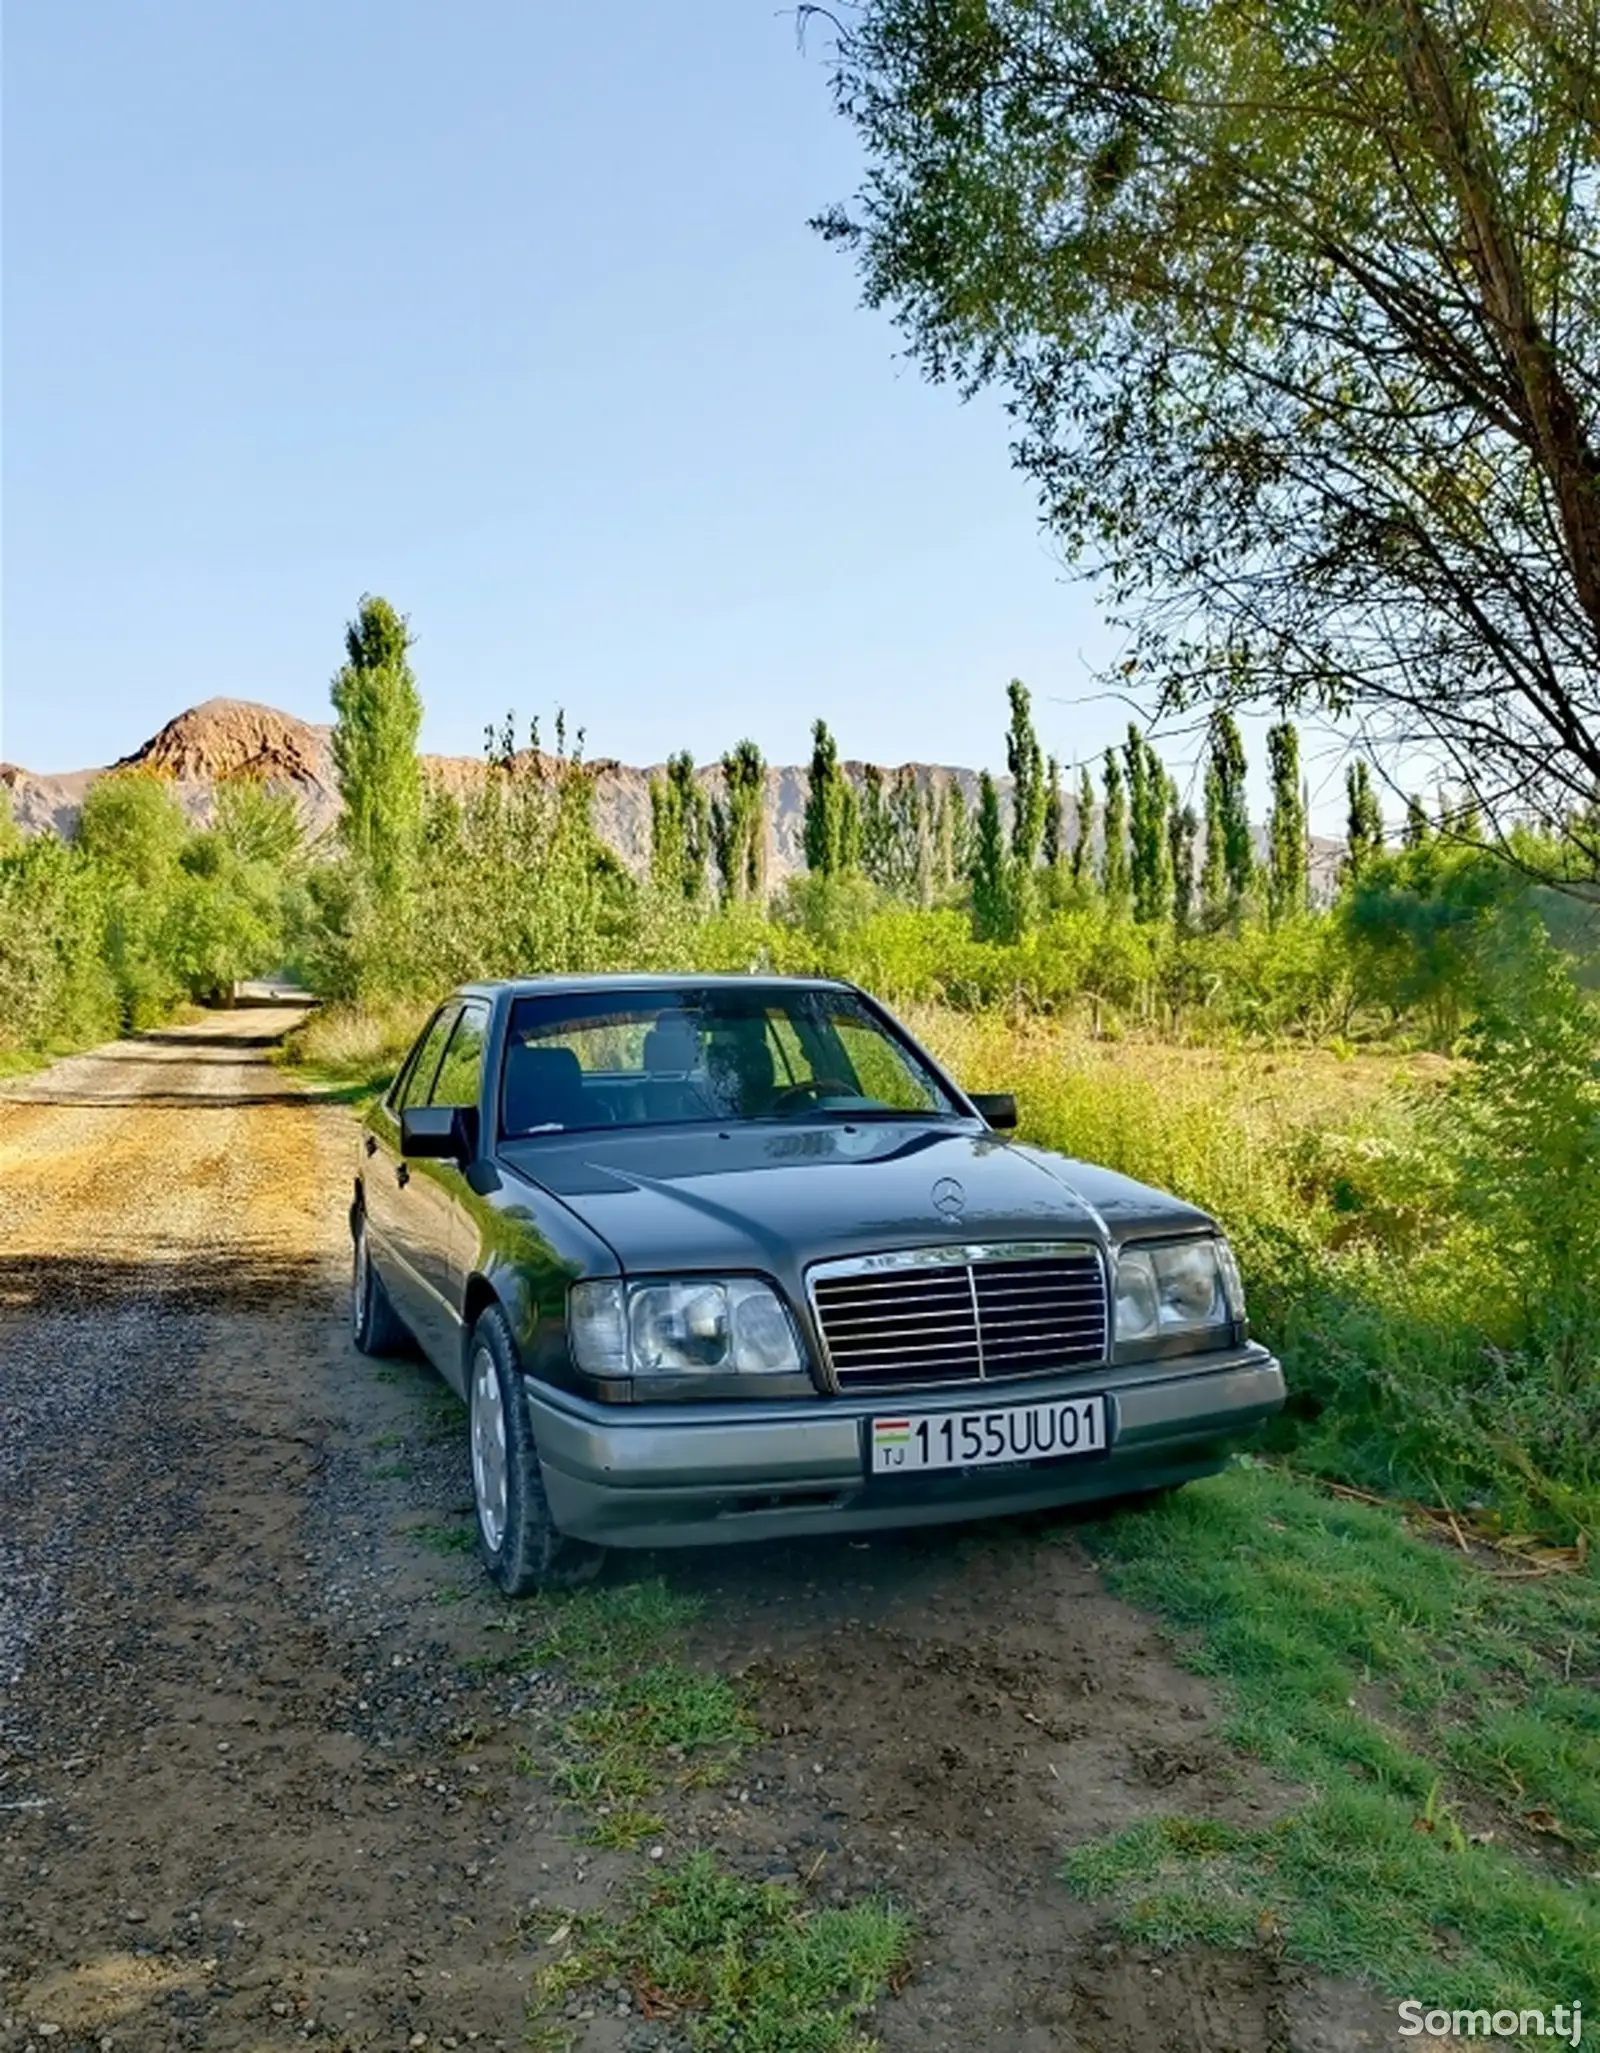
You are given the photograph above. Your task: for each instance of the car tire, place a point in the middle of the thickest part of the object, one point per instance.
(375, 1326)
(519, 1542)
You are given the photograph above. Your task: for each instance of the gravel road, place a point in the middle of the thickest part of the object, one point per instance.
(254, 1791)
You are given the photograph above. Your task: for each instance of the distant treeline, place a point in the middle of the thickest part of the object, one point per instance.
(1121, 897)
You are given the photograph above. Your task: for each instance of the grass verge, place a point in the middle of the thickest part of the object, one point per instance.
(1443, 1718)
(648, 1719)
(348, 1054)
(744, 1967)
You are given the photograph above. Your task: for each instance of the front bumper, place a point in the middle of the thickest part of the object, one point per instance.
(690, 1475)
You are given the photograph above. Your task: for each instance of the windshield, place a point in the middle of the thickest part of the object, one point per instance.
(578, 1060)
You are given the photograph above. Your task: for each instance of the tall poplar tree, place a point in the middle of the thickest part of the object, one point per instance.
(946, 866)
(1150, 856)
(1025, 761)
(739, 823)
(829, 808)
(960, 829)
(1082, 866)
(1053, 846)
(992, 906)
(1182, 831)
(1114, 877)
(1289, 859)
(910, 843)
(378, 717)
(877, 828)
(1363, 822)
(680, 829)
(1230, 864)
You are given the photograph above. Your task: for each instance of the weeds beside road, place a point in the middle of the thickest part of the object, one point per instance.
(302, 1779)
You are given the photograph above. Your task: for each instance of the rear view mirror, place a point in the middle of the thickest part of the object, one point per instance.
(446, 1132)
(997, 1109)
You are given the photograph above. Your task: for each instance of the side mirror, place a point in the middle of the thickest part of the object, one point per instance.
(447, 1133)
(997, 1109)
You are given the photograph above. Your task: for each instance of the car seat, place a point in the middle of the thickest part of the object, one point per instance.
(671, 1054)
(543, 1087)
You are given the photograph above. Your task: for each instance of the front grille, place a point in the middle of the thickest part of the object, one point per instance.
(960, 1315)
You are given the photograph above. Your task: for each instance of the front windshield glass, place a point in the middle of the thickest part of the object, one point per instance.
(577, 1060)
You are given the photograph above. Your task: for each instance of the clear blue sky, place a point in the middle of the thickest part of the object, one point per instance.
(509, 312)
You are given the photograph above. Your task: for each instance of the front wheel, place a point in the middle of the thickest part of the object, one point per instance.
(520, 1543)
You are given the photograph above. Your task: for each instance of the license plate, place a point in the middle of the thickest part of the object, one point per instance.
(984, 1439)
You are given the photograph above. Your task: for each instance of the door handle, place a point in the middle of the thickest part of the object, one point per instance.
(370, 1145)
(402, 1175)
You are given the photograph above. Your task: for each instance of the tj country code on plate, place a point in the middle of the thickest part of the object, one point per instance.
(976, 1439)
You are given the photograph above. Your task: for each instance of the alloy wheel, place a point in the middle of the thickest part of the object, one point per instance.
(359, 1284)
(489, 1464)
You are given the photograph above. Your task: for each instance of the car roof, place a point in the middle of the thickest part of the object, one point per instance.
(620, 981)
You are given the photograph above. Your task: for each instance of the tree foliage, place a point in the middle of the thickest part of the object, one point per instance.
(992, 902)
(1298, 311)
(1288, 831)
(1029, 791)
(1230, 860)
(1150, 854)
(1183, 830)
(378, 717)
(830, 825)
(1082, 864)
(739, 823)
(1364, 820)
(1115, 881)
(1053, 845)
(680, 830)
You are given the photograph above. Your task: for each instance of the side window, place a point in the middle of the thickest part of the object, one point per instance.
(460, 1075)
(418, 1079)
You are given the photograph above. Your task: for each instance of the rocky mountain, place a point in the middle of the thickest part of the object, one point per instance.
(231, 737)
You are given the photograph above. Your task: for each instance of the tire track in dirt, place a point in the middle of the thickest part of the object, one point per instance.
(254, 1819)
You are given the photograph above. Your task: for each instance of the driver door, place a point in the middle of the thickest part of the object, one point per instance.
(437, 1197)
(389, 1180)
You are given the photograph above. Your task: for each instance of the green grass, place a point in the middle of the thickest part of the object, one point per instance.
(348, 1054)
(650, 1720)
(447, 1539)
(1443, 1723)
(1413, 1360)
(742, 1967)
(443, 1420)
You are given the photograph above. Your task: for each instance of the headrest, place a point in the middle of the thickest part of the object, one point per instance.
(672, 1046)
(544, 1087)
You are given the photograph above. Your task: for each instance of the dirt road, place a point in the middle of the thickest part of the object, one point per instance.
(253, 1791)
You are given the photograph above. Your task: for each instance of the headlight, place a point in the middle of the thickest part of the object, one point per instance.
(682, 1326)
(1189, 1286)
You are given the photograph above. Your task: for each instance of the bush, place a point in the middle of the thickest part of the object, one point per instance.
(56, 985)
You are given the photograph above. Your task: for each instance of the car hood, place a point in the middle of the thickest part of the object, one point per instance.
(777, 1198)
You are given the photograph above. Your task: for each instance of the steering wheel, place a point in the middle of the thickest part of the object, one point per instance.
(792, 1096)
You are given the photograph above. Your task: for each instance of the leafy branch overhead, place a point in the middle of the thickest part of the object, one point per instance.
(1297, 311)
